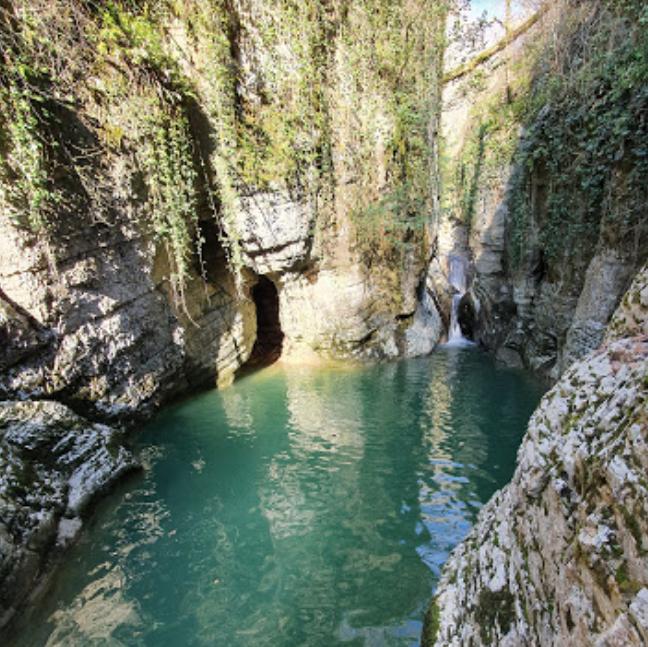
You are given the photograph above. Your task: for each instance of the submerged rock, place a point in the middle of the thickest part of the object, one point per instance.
(559, 555)
(52, 464)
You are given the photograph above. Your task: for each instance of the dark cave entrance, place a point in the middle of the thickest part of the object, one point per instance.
(269, 342)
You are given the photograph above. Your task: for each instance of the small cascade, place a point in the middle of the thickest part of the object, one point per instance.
(457, 279)
(454, 331)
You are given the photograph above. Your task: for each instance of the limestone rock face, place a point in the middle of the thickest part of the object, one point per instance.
(275, 232)
(607, 277)
(631, 317)
(559, 555)
(52, 464)
(426, 329)
(341, 314)
(538, 307)
(103, 328)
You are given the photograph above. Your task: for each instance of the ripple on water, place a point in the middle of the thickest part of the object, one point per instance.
(300, 507)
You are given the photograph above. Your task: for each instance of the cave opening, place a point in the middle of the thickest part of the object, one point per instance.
(269, 341)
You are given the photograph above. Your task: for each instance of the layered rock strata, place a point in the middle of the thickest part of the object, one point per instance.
(540, 301)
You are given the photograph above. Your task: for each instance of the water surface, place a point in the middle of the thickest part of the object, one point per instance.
(299, 507)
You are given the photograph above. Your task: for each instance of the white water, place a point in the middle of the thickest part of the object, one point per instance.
(457, 279)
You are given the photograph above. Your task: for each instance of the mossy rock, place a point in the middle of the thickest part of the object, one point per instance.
(431, 625)
(494, 607)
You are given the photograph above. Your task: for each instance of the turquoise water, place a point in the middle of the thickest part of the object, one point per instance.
(299, 507)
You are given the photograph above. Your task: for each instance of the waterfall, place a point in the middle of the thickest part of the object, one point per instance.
(457, 280)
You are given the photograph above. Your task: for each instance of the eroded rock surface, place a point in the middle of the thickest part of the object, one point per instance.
(103, 327)
(52, 464)
(341, 313)
(559, 555)
(275, 232)
(542, 302)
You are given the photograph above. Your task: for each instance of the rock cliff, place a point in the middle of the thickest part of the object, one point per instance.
(156, 165)
(139, 211)
(559, 555)
(102, 330)
(537, 191)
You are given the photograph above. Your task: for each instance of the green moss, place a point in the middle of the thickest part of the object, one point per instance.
(633, 526)
(626, 584)
(431, 625)
(494, 608)
(585, 141)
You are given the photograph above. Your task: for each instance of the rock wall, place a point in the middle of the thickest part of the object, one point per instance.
(559, 555)
(101, 330)
(52, 465)
(331, 307)
(153, 165)
(550, 220)
(197, 157)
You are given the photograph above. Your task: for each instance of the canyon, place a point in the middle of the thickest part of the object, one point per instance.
(231, 183)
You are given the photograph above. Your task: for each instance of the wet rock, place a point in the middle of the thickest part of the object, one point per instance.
(53, 463)
(467, 316)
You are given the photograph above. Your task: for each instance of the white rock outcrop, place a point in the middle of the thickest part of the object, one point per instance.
(275, 232)
(559, 556)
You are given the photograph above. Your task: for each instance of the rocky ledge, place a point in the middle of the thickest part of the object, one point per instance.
(52, 464)
(559, 556)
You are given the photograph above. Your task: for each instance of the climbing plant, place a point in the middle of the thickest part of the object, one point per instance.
(27, 192)
(214, 101)
(586, 138)
(390, 63)
(167, 158)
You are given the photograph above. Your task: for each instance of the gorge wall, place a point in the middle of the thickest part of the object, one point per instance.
(158, 160)
(559, 555)
(541, 172)
(544, 195)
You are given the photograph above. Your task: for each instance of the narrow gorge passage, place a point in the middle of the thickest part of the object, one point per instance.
(301, 506)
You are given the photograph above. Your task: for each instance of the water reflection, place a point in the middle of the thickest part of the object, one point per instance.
(96, 612)
(300, 507)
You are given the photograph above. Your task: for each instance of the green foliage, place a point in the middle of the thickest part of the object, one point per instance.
(330, 84)
(494, 607)
(26, 188)
(579, 94)
(388, 66)
(431, 625)
(137, 37)
(337, 92)
(586, 144)
(389, 227)
(167, 158)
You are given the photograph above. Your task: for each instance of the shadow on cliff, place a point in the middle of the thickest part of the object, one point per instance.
(557, 230)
